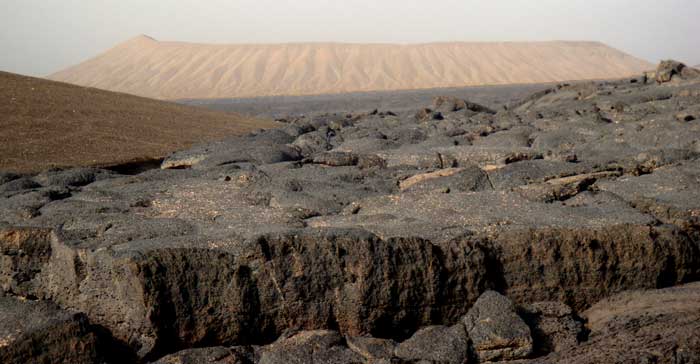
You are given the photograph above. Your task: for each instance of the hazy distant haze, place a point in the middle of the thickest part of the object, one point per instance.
(39, 37)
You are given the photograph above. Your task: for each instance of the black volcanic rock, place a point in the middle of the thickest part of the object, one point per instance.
(39, 332)
(495, 329)
(436, 344)
(335, 238)
(372, 349)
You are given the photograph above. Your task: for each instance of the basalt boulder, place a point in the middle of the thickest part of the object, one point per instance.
(496, 330)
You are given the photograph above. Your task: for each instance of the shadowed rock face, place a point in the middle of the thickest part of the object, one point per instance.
(374, 226)
(659, 326)
(656, 326)
(553, 326)
(38, 332)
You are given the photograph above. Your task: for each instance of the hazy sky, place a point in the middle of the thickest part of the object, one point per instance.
(38, 37)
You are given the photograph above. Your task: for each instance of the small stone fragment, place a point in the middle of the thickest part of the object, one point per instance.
(496, 330)
(428, 114)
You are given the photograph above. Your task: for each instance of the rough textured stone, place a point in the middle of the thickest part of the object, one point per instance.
(372, 349)
(580, 262)
(23, 253)
(656, 326)
(38, 332)
(451, 104)
(428, 114)
(372, 224)
(669, 68)
(495, 329)
(448, 180)
(18, 184)
(553, 325)
(336, 159)
(174, 292)
(313, 347)
(436, 344)
(7, 177)
(212, 355)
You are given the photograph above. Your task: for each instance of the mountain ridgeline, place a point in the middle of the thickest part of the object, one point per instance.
(177, 70)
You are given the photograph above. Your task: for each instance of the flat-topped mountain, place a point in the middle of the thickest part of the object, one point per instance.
(51, 124)
(175, 70)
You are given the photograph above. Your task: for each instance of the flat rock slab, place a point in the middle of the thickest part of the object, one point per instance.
(670, 193)
(440, 216)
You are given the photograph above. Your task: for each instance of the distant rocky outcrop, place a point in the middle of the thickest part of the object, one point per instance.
(562, 228)
(667, 70)
(177, 70)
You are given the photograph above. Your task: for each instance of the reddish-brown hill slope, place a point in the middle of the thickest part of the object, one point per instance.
(45, 123)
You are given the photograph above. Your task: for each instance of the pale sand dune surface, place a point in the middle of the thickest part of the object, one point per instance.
(175, 70)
